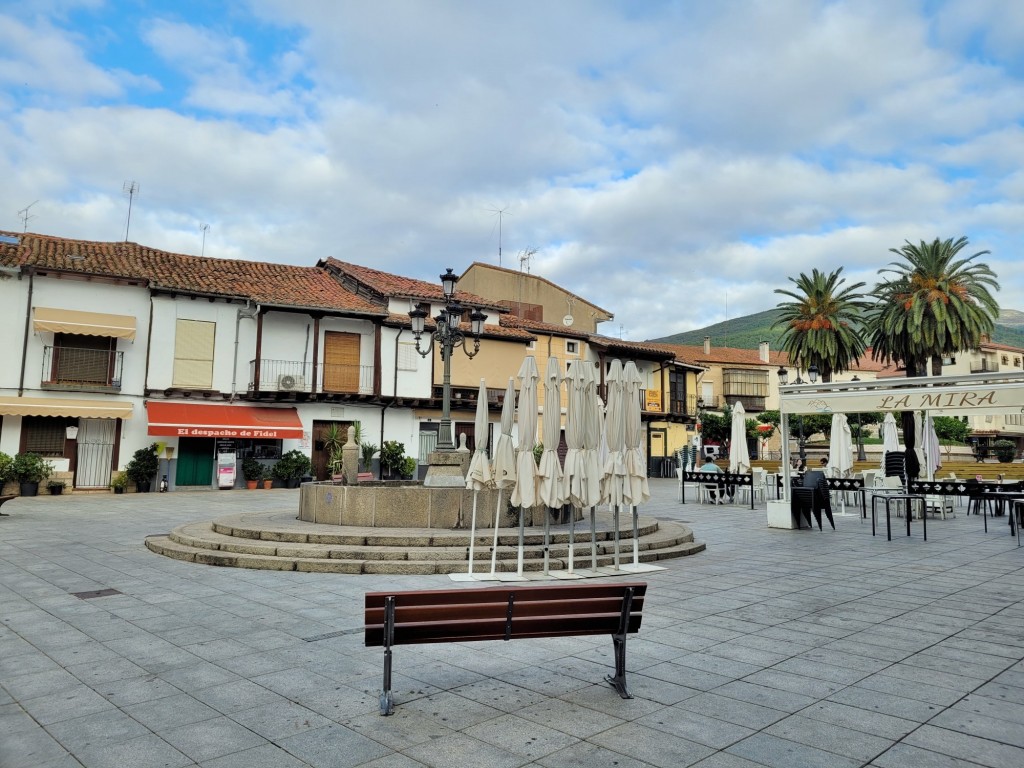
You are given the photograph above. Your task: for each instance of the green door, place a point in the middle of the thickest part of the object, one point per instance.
(195, 461)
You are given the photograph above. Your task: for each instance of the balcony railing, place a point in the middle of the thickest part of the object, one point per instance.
(687, 407)
(984, 366)
(462, 396)
(294, 376)
(73, 368)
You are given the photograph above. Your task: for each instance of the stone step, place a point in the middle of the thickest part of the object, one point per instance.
(164, 545)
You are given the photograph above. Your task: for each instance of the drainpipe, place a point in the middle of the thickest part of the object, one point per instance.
(394, 387)
(247, 313)
(24, 344)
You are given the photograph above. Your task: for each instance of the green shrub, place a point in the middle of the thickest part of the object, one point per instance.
(408, 468)
(1005, 450)
(292, 465)
(6, 469)
(392, 454)
(251, 469)
(30, 468)
(144, 464)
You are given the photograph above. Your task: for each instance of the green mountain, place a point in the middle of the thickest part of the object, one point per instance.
(747, 331)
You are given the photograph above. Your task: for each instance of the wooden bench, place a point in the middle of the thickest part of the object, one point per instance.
(504, 613)
(4, 500)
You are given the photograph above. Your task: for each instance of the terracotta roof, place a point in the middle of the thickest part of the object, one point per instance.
(490, 331)
(397, 286)
(538, 326)
(633, 347)
(723, 355)
(265, 283)
(483, 265)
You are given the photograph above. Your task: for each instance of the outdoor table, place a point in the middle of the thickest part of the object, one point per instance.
(1014, 497)
(909, 498)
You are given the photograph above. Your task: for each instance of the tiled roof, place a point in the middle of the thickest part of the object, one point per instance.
(262, 282)
(490, 331)
(482, 265)
(633, 347)
(723, 355)
(397, 286)
(538, 326)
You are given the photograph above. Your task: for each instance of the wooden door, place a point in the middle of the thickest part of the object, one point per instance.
(195, 461)
(341, 362)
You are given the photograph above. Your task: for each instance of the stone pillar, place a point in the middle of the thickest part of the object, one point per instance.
(447, 469)
(350, 458)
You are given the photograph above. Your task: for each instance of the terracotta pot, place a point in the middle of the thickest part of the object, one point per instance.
(267, 484)
(251, 484)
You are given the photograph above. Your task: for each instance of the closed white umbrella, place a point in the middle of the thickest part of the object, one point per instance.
(932, 449)
(593, 427)
(614, 478)
(524, 494)
(739, 453)
(637, 490)
(574, 470)
(479, 476)
(919, 442)
(890, 438)
(549, 473)
(840, 449)
(504, 468)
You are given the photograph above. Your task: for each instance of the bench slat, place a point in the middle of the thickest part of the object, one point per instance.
(464, 596)
(442, 631)
(498, 609)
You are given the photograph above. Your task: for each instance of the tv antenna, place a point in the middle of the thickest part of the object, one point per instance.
(524, 258)
(499, 212)
(204, 228)
(129, 188)
(25, 216)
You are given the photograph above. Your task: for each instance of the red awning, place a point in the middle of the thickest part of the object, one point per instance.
(248, 421)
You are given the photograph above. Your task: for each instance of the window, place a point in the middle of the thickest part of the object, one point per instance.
(44, 434)
(1006, 359)
(572, 347)
(1016, 362)
(408, 357)
(193, 354)
(532, 345)
(949, 361)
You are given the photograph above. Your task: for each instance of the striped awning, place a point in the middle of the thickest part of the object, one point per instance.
(83, 323)
(56, 406)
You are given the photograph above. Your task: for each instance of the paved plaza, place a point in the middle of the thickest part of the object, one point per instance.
(772, 648)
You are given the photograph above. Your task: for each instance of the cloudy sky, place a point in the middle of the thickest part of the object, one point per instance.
(672, 162)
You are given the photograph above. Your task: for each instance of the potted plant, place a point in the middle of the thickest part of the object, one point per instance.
(252, 471)
(1004, 450)
(268, 481)
(142, 467)
(6, 470)
(30, 469)
(292, 467)
(392, 453)
(408, 468)
(55, 487)
(366, 453)
(120, 482)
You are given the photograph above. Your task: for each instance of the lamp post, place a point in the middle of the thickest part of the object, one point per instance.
(448, 335)
(783, 375)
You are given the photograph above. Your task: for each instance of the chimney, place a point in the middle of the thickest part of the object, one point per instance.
(707, 345)
(762, 351)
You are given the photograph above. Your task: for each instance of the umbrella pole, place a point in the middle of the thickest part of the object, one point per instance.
(472, 534)
(572, 534)
(593, 538)
(547, 536)
(519, 559)
(616, 524)
(494, 548)
(636, 537)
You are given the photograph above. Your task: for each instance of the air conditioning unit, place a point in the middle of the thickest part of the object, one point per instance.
(288, 382)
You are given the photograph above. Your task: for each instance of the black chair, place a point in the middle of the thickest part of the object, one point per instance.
(821, 500)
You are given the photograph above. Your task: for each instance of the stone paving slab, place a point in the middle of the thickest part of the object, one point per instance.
(770, 648)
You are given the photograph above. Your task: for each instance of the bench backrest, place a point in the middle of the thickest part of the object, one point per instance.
(500, 613)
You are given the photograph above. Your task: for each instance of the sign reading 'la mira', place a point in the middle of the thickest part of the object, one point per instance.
(956, 399)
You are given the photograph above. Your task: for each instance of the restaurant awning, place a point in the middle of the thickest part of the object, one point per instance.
(55, 406)
(84, 323)
(248, 421)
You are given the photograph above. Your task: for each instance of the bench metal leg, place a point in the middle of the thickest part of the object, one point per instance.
(387, 699)
(619, 640)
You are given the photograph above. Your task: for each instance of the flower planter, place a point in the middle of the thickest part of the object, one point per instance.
(251, 484)
(29, 489)
(267, 484)
(142, 486)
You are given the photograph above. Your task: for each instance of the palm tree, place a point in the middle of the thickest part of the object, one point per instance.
(821, 325)
(935, 305)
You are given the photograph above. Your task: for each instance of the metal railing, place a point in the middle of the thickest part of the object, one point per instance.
(295, 376)
(73, 368)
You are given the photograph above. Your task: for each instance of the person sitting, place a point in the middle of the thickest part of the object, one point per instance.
(717, 496)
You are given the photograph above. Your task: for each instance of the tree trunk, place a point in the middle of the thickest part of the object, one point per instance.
(936, 365)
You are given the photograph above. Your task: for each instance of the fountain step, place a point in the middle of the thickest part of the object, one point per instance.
(168, 547)
(277, 541)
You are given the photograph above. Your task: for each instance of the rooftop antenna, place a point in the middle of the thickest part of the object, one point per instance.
(25, 216)
(204, 228)
(500, 212)
(524, 258)
(130, 188)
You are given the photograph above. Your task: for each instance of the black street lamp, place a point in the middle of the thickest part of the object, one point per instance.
(448, 335)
